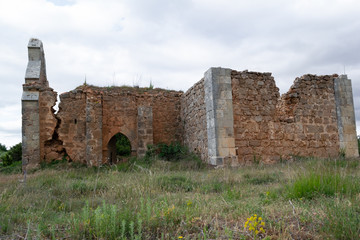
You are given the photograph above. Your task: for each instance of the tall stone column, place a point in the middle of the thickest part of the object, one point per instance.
(145, 129)
(346, 116)
(93, 129)
(35, 80)
(219, 117)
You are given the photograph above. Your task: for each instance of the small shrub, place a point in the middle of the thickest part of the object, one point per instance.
(172, 152)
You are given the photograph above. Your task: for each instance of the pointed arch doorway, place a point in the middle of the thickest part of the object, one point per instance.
(119, 147)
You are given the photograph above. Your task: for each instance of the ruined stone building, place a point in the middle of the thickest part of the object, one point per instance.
(228, 117)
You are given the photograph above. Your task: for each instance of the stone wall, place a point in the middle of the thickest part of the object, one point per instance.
(307, 116)
(89, 117)
(166, 107)
(72, 124)
(193, 112)
(302, 122)
(48, 122)
(255, 97)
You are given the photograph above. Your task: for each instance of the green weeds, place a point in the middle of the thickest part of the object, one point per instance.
(326, 183)
(157, 199)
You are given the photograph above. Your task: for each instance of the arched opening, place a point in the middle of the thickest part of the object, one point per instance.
(119, 147)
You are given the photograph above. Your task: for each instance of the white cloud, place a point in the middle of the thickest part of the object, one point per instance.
(172, 43)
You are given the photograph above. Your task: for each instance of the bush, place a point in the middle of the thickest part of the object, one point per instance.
(359, 144)
(2, 148)
(13, 155)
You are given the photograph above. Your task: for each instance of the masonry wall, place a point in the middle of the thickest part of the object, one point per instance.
(72, 124)
(166, 107)
(307, 115)
(193, 112)
(89, 117)
(48, 122)
(255, 96)
(302, 122)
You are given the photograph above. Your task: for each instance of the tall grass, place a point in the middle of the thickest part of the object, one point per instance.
(322, 182)
(165, 200)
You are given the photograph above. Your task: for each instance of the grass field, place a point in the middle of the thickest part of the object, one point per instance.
(303, 199)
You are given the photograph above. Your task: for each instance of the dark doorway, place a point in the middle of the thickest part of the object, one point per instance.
(119, 147)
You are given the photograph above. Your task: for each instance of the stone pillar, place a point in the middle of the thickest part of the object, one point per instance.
(35, 80)
(93, 129)
(219, 117)
(30, 128)
(36, 68)
(346, 116)
(145, 129)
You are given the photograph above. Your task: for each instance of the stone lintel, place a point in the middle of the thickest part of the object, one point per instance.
(30, 96)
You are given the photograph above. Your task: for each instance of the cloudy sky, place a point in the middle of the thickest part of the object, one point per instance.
(172, 43)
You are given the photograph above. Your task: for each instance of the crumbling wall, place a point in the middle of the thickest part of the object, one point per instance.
(90, 116)
(302, 122)
(50, 148)
(72, 124)
(193, 113)
(307, 118)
